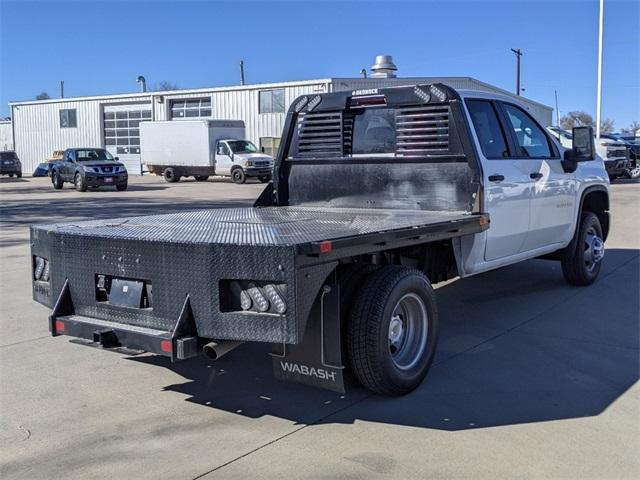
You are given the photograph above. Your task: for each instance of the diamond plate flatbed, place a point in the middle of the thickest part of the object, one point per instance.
(305, 227)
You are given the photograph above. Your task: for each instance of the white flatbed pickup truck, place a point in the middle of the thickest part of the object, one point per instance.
(376, 195)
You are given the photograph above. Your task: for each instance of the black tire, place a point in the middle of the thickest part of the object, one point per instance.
(79, 182)
(121, 187)
(11, 175)
(201, 178)
(581, 264)
(238, 176)
(351, 277)
(19, 174)
(264, 178)
(379, 362)
(56, 179)
(170, 175)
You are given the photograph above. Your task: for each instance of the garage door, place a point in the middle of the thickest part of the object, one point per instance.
(122, 132)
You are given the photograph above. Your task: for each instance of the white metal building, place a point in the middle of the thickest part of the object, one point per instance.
(111, 121)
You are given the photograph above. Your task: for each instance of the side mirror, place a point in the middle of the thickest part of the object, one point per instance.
(262, 149)
(583, 147)
(116, 158)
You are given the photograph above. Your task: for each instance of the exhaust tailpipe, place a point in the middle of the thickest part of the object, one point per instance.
(215, 350)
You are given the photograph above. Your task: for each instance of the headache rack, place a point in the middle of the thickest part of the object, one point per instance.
(421, 128)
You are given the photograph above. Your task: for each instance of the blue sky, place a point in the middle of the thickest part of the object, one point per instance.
(101, 47)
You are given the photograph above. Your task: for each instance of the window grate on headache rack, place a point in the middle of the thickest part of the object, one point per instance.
(320, 134)
(422, 130)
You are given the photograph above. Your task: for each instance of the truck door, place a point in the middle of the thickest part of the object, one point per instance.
(553, 191)
(223, 159)
(68, 166)
(506, 179)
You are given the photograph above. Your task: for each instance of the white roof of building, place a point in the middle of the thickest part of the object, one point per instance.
(263, 86)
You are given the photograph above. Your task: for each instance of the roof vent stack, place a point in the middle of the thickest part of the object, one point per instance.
(384, 67)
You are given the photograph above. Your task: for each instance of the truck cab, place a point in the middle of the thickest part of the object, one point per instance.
(240, 159)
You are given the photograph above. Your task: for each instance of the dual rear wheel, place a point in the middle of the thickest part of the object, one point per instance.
(391, 329)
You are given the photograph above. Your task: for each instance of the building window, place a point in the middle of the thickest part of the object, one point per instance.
(68, 118)
(122, 130)
(191, 108)
(270, 145)
(271, 101)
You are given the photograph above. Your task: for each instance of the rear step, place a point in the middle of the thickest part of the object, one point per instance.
(179, 344)
(112, 334)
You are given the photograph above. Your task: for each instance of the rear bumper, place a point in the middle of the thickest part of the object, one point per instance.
(113, 335)
(6, 169)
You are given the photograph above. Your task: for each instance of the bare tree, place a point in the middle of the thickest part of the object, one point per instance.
(579, 118)
(633, 127)
(43, 96)
(576, 119)
(606, 125)
(165, 85)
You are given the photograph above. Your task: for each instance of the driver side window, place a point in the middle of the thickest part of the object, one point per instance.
(531, 141)
(223, 149)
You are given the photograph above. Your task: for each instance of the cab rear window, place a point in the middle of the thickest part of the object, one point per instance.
(374, 131)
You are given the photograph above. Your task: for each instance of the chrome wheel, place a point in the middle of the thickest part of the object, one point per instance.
(408, 330)
(593, 249)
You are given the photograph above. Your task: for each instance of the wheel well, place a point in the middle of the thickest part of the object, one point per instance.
(598, 203)
(435, 259)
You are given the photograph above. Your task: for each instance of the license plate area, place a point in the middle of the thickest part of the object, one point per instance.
(124, 292)
(108, 179)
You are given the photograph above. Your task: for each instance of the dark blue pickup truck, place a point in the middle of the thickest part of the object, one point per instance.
(89, 167)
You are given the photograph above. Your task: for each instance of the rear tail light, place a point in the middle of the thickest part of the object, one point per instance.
(253, 296)
(41, 269)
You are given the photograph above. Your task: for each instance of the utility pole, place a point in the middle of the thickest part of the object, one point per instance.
(518, 53)
(599, 94)
(241, 72)
(61, 88)
(557, 110)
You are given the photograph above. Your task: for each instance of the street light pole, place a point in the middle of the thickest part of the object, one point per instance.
(518, 53)
(599, 94)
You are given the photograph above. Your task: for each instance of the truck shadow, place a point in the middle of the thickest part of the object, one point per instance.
(517, 345)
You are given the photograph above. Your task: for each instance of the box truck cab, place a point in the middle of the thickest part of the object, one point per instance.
(239, 159)
(201, 148)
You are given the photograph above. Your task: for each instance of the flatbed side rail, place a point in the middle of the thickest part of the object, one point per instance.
(413, 235)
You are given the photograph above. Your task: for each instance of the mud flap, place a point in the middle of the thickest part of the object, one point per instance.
(317, 361)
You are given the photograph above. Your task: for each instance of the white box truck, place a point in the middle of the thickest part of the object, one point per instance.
(201, 148)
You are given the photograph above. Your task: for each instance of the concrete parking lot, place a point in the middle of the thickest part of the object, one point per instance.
(533, 378)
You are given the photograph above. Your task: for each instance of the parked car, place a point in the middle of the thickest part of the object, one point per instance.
(377, 194)
(612, 151)
(616, 153)
(89, 167)
(633, 146)
(10, 164)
